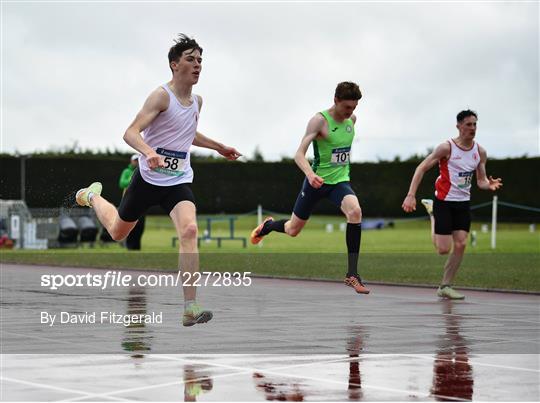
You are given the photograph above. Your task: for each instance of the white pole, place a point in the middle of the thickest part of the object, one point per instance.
(494, 223)
(259, 214)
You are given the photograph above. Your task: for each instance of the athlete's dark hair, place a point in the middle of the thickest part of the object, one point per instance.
(348, 91)
(465, 114)
(182, 44)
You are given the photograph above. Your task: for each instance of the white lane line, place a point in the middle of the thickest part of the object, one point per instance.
(273, 372)
(362, 357)
(321, 380)
(111, 398)
(58, 388)
(178, 382)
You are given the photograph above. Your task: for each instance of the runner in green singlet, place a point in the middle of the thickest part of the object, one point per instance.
(331, 132)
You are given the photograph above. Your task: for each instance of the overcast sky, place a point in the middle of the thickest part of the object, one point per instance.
(79, 72)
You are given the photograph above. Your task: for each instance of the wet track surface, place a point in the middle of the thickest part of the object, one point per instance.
(274, 340)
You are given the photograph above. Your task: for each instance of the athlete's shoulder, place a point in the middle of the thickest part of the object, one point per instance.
(446, 145)
(160, 91)
(443, 150)
(316, 125)
(317, 120)
(159, 98)
(319, 116)
(481, 152)
(353, 118)
(480, 148)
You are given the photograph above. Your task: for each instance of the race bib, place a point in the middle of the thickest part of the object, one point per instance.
(340, 156)
(174, 162)
(464, 179)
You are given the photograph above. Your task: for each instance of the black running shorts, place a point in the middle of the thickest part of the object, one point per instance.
(451, 216)
(309, 197)
(140, 195)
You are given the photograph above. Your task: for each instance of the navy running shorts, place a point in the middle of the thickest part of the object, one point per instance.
(309, 197)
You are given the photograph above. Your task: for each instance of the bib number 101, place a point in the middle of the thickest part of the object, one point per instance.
(341, 156)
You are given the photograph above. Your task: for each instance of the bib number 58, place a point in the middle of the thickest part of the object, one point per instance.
(171, 163)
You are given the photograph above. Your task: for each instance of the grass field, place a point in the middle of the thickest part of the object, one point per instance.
(403, 254)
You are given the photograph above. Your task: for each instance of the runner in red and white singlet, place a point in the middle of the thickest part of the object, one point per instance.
(458, 158)
(456, 173)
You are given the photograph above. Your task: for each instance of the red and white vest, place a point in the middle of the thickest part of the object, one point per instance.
(456, 173)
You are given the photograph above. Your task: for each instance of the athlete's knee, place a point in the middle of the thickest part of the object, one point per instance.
(354, 214)
(189, 231)
(460, 244)
(118, 234)
(443, 249)
(293, 230)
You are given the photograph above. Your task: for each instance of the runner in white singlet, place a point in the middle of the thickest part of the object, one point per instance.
(168, 121)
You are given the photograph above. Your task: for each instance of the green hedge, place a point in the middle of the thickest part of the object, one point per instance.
(235, 187)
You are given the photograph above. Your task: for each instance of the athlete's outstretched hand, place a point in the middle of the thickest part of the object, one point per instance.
(315, 181)
(154, 160)
(409, 204)
(494, 184)
(230, 153)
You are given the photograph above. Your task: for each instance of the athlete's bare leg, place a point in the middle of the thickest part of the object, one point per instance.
(108, 216)
(454, 260)
(294, 225)
(184, 218)
(351, 208)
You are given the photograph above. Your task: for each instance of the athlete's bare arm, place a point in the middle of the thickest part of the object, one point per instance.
(442, 151)
(482, 180)
(314, 128)
(157, 102)
(230, 153)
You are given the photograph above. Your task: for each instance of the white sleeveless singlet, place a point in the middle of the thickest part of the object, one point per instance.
(171, 135)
